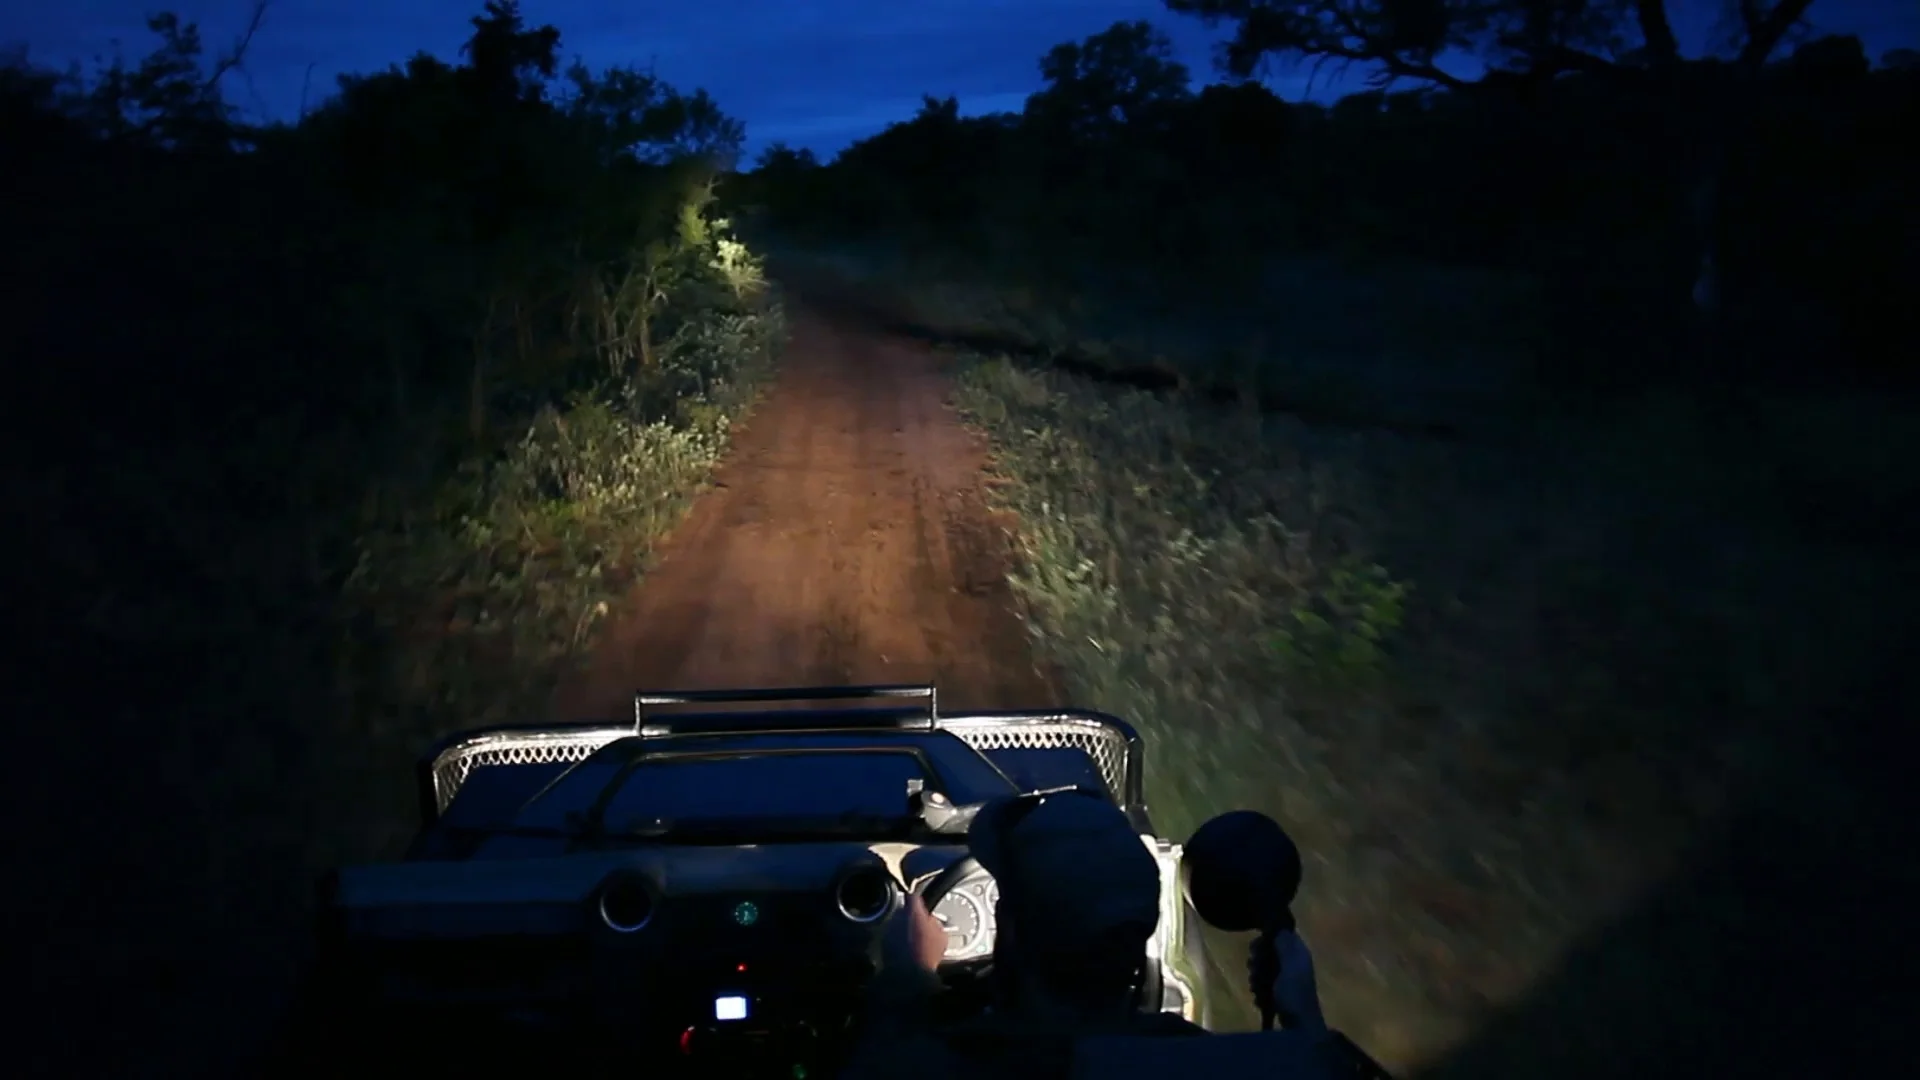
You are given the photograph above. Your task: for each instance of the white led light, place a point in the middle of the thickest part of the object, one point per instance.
(729, 1008)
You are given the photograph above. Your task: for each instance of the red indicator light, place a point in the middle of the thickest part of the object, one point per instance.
(740, 967)
(686, 1041)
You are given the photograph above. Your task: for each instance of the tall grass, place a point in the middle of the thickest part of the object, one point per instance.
(472, 608)
(1491, 694)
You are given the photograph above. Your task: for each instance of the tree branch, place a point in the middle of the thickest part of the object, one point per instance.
(1656, 33)
(1370, 50)
(1764, 32)
(233, 57)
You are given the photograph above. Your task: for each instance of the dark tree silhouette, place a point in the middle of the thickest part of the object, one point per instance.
(1534, 40)
(1123, 77)
(1691, 219)
(272, 387)
(1526, 46)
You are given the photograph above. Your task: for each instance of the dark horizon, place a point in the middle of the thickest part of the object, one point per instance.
(819, 78)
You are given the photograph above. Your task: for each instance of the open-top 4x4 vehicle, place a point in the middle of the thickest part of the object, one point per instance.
(702, 888)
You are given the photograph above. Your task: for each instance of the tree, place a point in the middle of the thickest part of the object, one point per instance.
(782, 160)
(1527, 45)
(1123, 77)
(629, 112)
(692, 125)
(508, 61)
(1536, 39)
(167, 100)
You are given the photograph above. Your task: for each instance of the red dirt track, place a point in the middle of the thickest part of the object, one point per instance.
(846, 540)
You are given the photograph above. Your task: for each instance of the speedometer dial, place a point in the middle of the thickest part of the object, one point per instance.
(966, 914)
(959, 914)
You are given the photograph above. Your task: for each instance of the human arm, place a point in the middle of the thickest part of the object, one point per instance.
(900, 999)
(1293, 991)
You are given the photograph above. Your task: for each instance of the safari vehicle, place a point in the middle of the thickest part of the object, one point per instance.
(701, 890)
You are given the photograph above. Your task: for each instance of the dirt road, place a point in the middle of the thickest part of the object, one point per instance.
(846, 541)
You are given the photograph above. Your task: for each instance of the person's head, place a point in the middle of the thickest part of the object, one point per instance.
(1079, 898)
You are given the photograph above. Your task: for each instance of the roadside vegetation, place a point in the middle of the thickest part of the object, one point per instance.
(328, 437)
(1506, 483)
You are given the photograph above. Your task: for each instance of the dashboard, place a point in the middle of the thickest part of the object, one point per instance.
(688, 955)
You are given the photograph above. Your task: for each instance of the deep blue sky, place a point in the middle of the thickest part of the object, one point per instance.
(816, 73)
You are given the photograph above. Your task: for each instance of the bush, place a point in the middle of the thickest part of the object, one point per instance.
(483, 601)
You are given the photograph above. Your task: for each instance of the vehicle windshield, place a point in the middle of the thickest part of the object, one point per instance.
(804, 791)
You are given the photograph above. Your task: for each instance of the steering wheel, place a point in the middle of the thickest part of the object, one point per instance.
(944, 882)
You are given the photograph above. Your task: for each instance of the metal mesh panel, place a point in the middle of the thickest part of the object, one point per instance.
(458, 763)
(1107, 747)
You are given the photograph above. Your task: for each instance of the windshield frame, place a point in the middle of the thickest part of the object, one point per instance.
(589, 822)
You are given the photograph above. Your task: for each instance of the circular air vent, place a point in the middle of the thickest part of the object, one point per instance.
(865, 894)
(626, 903)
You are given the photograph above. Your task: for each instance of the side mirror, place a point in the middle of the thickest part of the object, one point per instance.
(1243, 872)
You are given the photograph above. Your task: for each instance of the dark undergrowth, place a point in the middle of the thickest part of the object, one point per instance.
(327, 440)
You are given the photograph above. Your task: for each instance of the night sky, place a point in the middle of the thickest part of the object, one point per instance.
(814, 73)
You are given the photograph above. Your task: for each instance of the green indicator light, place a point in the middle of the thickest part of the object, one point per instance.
(746, 913)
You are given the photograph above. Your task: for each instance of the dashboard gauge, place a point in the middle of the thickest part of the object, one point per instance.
(966, 913)
(961, 915)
